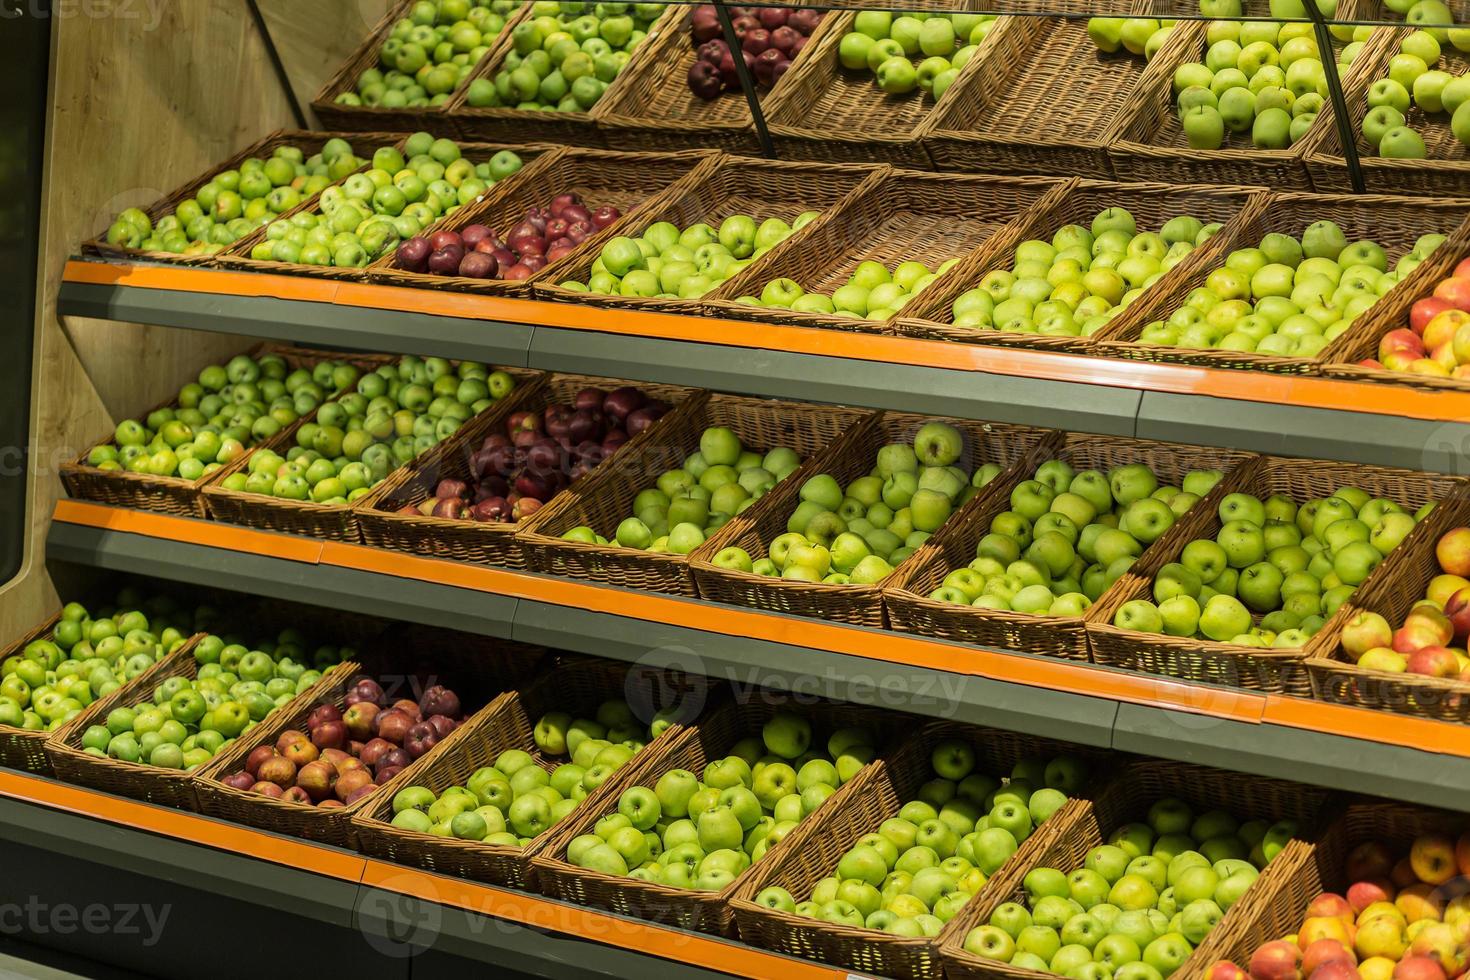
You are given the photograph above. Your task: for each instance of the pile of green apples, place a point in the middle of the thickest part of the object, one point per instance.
(1135, 35)
(188, 721)
(394, 414)
(1292, 565)
(923, 864)
(872, 292)
(368, 213)
(1068, 536)
(1288, 296)
(430, 52)
(702, 831)
(565, 56)
(236, 202)
(515, 800)
(50, 681)
(1141, 903)
(687, 505)
(1257, 77)
(1074, 284)
(858, 535)
(669, 262)
(1415, 80)
(231, 408)
(888, 46)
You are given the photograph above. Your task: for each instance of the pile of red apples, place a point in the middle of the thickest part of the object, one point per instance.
(515, 473)
(346, 753)
(477, 251)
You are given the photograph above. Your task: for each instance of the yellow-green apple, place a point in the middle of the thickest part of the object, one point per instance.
(1432, 857)
(1365, 631)
(1418, 902)
(1453, 551)
(1382, 935)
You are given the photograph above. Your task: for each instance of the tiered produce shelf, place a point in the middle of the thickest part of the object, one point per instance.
(1300, 416)
(1401, 757)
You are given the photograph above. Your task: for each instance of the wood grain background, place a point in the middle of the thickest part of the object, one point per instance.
(139, 104)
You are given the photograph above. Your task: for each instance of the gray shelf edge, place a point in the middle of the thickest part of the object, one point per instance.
(1336, 762)
(1233, 424)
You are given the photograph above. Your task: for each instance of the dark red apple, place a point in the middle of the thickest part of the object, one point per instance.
(472, 235)
(258, 755)
(321, 714)
(440, 700)
(442, 725)
(413, 255)
(239, 780)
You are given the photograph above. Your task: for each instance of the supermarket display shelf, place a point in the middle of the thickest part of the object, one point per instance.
(1396, 756)
(1385, 425)
(372, 908)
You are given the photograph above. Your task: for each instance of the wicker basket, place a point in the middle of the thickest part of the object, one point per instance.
(711, 739)
(887, 785)
(479, 669)
(1148, 142)
(604, 499)
(166, 787)
(333, 522)
(1445, 172)
(238, 256)
(846, 460)
(1271, 915)
(571, 684)
(737, 185)
(1126, 800)
(1337, 679)
(19, 748)
(823, 111)
(932, 315)
(900, 216)
(1344, 357)
(1043, 101)
(360, 117)
(1393, 222)
(383, 526)
(628, 181)
(1270, 670)
(910, 610)
(309, 142)
(173, 494)
(572, 128)
(655, 110)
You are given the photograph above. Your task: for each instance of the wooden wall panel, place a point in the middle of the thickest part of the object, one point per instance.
(138, 107)
(314, 39)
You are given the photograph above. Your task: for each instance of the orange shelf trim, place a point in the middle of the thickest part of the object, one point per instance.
(1321, 393)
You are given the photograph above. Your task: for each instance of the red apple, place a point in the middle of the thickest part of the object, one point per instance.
(350, 781)
(258, 755)
(301, 752)
(279, 770)
(268, 789)
(1433, 661)
(393, 725)
(420, 739)
(295, 794)
(317, 778)
(323, 713)
(329, 735)
(1418, 968)
(1370, 859)
(289, 736)
(1361, 894)
(1225, 970)
(1455, 291)
(1277, 960)
(1425, 310)
(239, 780)
(1324, 951)
(374, 750)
